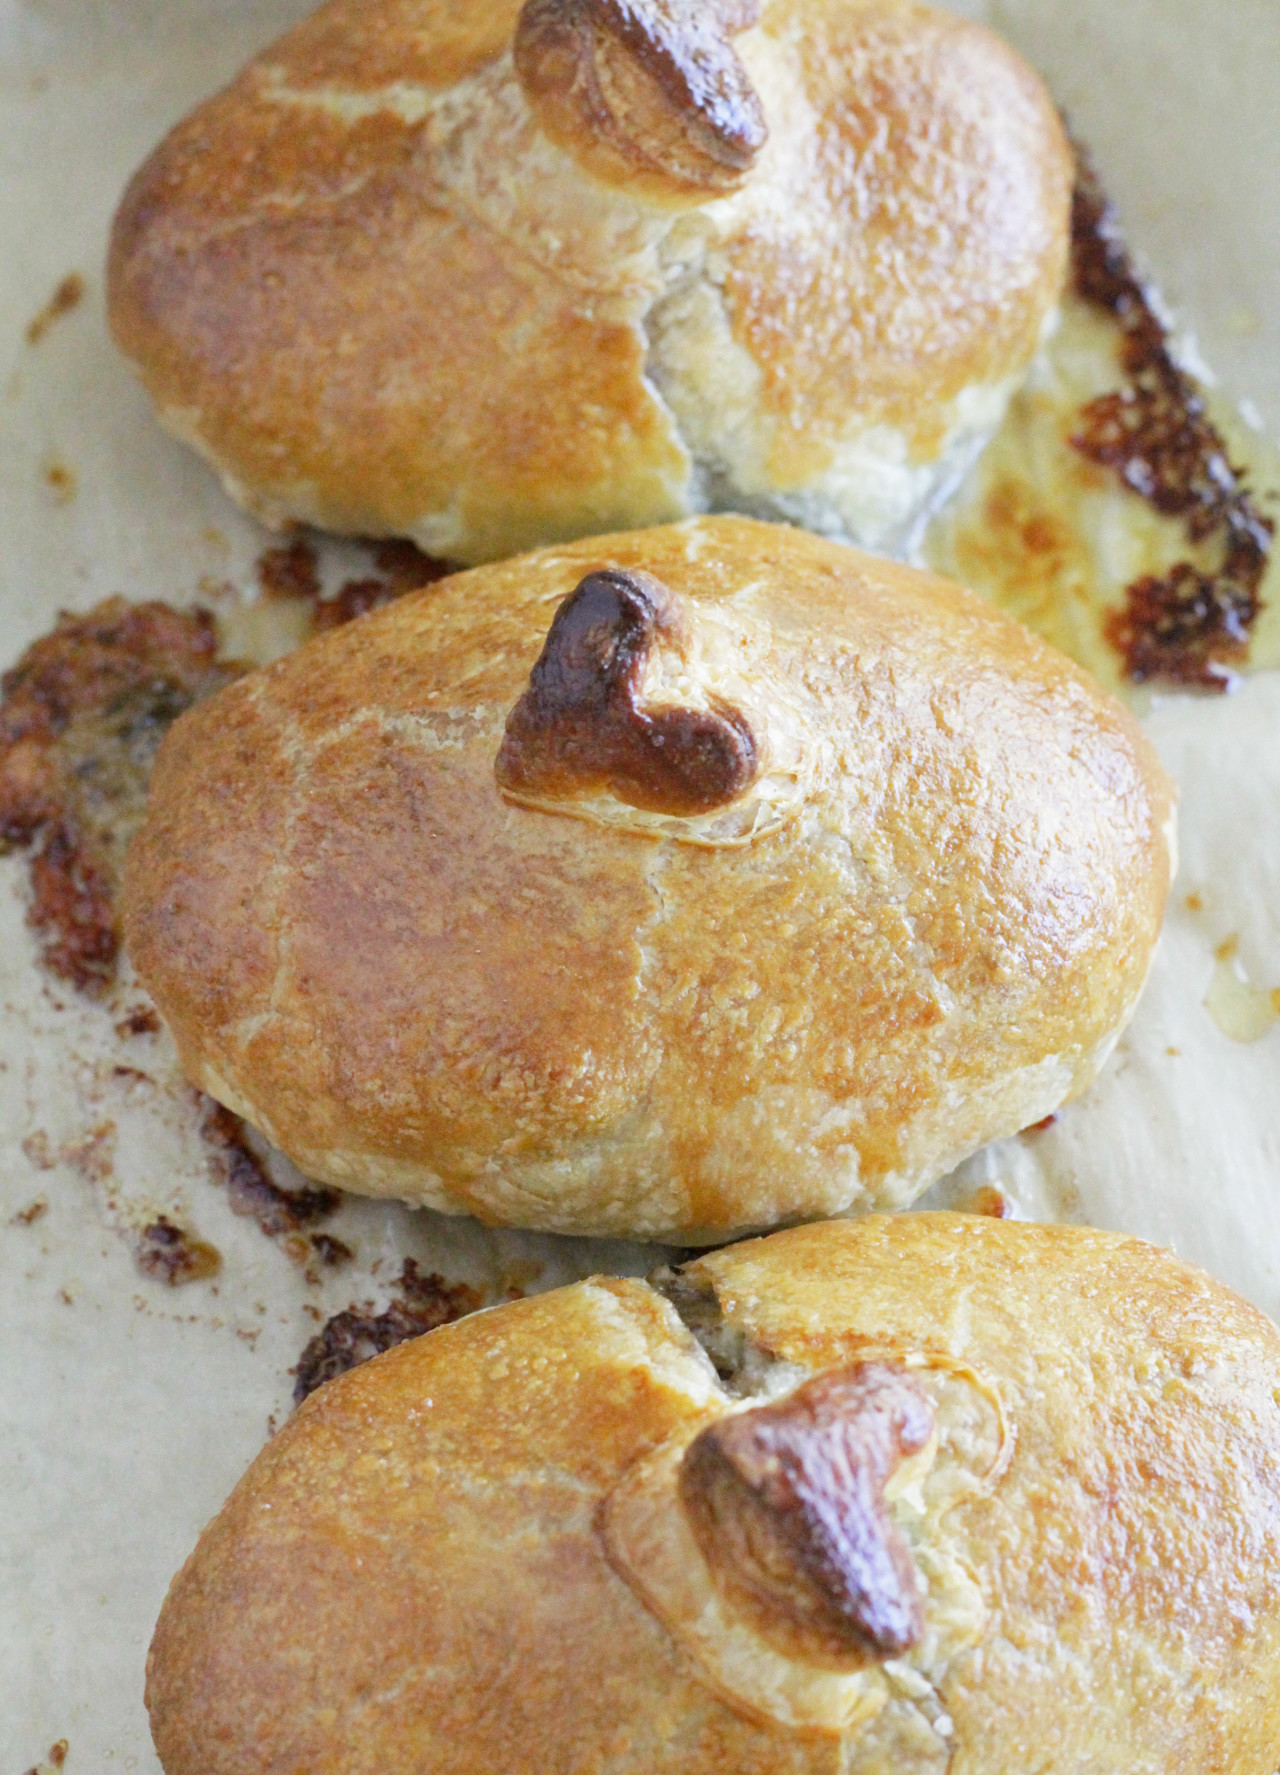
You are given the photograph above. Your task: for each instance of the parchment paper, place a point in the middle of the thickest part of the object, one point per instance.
(128, 1410)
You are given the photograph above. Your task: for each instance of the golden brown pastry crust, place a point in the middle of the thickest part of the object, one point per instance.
(415, 1573)
(919, 927)
(370, 286)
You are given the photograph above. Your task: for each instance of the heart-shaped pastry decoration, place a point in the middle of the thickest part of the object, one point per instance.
(584, 724)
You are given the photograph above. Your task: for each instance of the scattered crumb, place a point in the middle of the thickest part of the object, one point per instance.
(293, 571)
(170, 1254)
(65, 1297)
(133, 1073)
(353, 1336)
(53, 1761)
(93, 1155)
(991, 1201)
(315, 1252)
(1174, 1053)
(29, 1215)
(1194, 903)
(37, 1148)
(60, 479)
(142, 1020)
(296, 1248)
(68, 295)
(1228, 948)
(332, 1253)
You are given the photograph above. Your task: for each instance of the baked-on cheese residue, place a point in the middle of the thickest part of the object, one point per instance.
(1122, 510)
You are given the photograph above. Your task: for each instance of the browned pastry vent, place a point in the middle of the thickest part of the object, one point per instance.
(787, 1503)
(644, 89)
(581, 725)
(1191, 625)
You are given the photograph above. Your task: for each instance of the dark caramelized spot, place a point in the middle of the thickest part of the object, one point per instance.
(644, 90)
(1192, 625)
(81, 719)
(581, 727)
(787, 1504)
(250, 1190)
(423, 1303)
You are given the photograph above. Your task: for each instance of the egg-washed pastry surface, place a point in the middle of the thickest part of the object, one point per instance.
(491, 276)
(668, 884)
(957, 1495)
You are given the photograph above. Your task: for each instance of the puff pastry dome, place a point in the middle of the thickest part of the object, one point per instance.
(491, 276)
(667, 884)
(950, 1497)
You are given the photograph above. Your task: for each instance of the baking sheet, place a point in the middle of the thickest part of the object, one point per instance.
(127, 1410)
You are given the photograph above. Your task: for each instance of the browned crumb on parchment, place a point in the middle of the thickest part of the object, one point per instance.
(69, 294)
(293, 571)
(56, 1757)
(169, 1253)
(420, 1304)
(251, 1191)
(60, 480)
(141, 1020)
(82, 715)
(990, 1201)
(315, 1253)
(1190, 626)
(162, 1249)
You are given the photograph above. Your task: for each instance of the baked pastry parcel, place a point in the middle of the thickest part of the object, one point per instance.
(667, 884)
(490, 276)
(887, 1497)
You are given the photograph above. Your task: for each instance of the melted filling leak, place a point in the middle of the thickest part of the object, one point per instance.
(1122, 511)
(1242, 1011)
